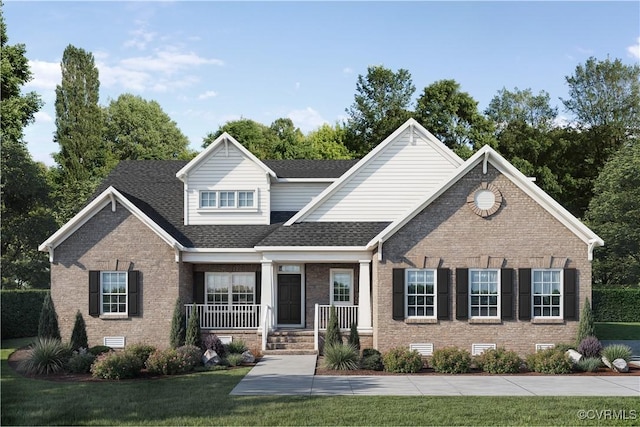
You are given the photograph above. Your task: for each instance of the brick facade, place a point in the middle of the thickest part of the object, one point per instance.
(448, 234)
(318, 287)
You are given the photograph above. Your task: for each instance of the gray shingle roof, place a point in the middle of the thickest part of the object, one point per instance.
(153, 187)
(310, 168)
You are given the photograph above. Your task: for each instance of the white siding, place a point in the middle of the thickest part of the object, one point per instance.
(228, 169)
(293, 196)
(390, 184)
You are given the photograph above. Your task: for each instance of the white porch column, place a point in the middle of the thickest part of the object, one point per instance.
(364, 297)
(267, 294)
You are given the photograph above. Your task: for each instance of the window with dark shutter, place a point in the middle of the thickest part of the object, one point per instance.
(524, 294)
(398, 294)
(198, 287)
(462, 293)
(506, 291)
(443, 294)
(134, 293)
(570, 294)
(94, 293)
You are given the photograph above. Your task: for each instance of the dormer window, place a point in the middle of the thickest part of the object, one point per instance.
(227, 199)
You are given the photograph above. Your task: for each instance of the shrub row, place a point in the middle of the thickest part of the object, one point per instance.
(21, 312)
(616, 305)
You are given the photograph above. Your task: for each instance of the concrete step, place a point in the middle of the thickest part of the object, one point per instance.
(288, 352)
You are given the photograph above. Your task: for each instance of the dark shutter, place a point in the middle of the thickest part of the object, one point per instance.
(134, 293)
(443, 294)
(524, 294)
(506, 293)
(398, 294)
(258, 287)
(570, 294)
(198, 287)
(462, 293)
(94, 293)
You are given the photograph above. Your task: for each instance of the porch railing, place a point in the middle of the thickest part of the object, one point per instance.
(241, 316)
(346, 314)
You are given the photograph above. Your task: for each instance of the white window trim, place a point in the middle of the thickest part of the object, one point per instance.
(126, 293)
(561, 316)
(235, 207)
(435, 293)
(230, 291)
(351, 290)
(499, 303)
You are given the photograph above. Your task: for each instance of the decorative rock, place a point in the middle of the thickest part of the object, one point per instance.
(621, 365)
(574, 355)
(247, 357)
(607, 363)
(210, 358)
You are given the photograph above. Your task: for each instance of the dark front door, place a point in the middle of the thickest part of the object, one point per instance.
(289, 299)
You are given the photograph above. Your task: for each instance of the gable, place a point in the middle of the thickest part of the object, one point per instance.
(388, 181)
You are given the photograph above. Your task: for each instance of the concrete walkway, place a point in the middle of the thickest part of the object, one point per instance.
(294, 375)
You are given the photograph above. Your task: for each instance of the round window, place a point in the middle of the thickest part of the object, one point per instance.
(485, 200)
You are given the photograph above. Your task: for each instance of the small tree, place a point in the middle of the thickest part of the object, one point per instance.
(79, 335)
(48, 324)
(193, 329)
(354, 337)
(333, 329)
(585, 327)
(178, 320)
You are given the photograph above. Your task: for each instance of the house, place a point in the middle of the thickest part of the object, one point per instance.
(416, 246)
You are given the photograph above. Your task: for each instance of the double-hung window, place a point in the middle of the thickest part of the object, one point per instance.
(341, 286)
(113, 291)
(547, 293)
(484, 293)
(230, 288)
(420, 293)
(227, 199)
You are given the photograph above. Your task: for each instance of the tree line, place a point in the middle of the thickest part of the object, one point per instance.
(589, 163)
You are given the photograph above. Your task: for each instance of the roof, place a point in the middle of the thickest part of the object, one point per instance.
(310, 168)
(324, 234)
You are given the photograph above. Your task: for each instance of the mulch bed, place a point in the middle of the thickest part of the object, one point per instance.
(321, 370)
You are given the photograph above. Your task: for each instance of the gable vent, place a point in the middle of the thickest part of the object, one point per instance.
(114, 342)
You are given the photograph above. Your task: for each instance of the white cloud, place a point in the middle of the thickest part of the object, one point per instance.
(297, 85)
(307, 119)
(46, 75)
(168, 61)
(347, 70)
(208, 94)
(141, 37)
(42, 117)
(634, 49)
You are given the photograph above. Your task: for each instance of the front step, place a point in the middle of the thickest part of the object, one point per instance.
(290, 341)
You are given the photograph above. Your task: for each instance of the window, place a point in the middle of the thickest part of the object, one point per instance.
(227, 199)
(113, 290)
(341, 286)
(484, 293)
(230, 288)
(547, 293)
(421, 293)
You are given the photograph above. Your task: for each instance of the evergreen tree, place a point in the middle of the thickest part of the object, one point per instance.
(177, 336)
(354, 337)
(48, 324)
(585, 327)
(332, 335)
(79, 335)
(193, 336)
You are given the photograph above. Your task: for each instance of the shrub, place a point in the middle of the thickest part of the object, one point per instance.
(257, 352)
(563, 347)
(20, 312)
(79, 335)
(499, 361)
(193, 335)
(402, 360)
(332, 336)
(141, 352)
(590, 347)
(585, 327)
(234, 359)
(589, 364)
(48, 324)
(116, 366)
(354, 337)
(451, 360)
(617, 351)
(550, 361)
(616, 304)
(237, 346)
(371, 360)
(167, 362)
(212, 342)
(191, 354)
(339, 357)
(80, 361)
(97, 350)
(177, 334)
(46, 356)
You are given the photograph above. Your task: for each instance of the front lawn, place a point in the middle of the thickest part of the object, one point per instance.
(617, 330)
(203, 399)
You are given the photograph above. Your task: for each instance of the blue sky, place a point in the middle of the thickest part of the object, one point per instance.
(210, 62)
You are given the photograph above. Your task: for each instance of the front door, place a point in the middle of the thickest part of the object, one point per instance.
(289, 299)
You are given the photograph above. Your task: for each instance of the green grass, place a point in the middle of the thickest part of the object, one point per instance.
(203, 399)
(617, 330)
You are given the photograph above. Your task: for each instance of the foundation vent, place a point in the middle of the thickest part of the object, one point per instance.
(478, 349)
(114, 342)
(425, 349)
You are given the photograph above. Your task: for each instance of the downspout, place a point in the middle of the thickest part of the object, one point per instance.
(50, 249)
